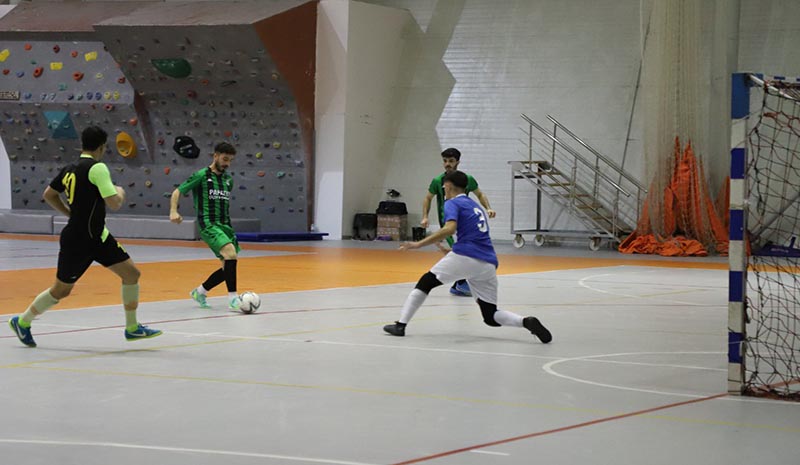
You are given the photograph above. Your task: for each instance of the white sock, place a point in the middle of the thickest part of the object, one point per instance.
(413, 302)
(202, 290)
(507, 318)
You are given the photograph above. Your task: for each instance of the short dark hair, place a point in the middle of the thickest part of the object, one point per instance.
(92, 138)
(224, 147)
(451, 153)
(457, 178)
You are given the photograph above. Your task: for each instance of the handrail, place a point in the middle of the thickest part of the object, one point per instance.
(598, 154)
(575, 154)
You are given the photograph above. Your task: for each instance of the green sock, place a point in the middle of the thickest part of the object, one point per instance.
(130, 320)
(43, 302)
(130, 298)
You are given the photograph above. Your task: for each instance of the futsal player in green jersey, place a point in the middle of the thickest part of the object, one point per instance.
(88, 189)
(211, 189)
(450, 159)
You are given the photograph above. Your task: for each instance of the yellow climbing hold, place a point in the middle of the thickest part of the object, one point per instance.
(56, 65)
(90, 56)
(4, 54)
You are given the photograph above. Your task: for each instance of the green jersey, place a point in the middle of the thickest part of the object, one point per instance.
(436, 188)
(212, 196)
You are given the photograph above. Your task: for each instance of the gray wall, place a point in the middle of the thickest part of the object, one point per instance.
(480, 63)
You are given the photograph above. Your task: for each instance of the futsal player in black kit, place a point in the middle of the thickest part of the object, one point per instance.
(86, 185)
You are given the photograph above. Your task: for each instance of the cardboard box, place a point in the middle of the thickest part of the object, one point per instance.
(394, 226)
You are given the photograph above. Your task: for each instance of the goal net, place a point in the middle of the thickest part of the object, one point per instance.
(764, 309)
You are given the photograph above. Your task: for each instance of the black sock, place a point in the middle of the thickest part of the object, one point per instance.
(214, 279)
(230, 274)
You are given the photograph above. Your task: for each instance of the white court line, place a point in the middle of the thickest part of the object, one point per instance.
(180, 449)
(582, 283)
(477, 451)
(548, 367)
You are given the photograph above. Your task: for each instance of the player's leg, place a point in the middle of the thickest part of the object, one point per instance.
(229, 254)
(200, 293)
(484, 286)
(113, 256)
(459, 287)
(445, 270)
(21, 324)
(222, 241)
(73, 260)
(414, 300)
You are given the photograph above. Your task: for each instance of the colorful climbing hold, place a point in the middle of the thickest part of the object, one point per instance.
(56, 49)
(38, 71)
(77, 75)
(167, 170)
(261, 174)
(177, 68)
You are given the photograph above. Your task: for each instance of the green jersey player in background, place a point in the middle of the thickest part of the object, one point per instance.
(211, 189)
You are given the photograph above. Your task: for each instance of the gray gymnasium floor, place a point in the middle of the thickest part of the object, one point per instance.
(635, 375)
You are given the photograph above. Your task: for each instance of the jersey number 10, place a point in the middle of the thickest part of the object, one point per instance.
(69, 186)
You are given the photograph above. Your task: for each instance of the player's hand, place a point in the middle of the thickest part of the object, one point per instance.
(442, 248)
(424, 223)
(491, 213)
(175, 217)
(409, 245)
(121, 193)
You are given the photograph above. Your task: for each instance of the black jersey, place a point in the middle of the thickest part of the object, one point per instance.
(82, 182)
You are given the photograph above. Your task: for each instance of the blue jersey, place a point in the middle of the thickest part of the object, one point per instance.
(472, 230)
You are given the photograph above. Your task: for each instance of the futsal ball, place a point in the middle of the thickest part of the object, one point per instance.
(249, 302)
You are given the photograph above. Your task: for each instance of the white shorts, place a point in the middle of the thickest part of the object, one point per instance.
(481, 276)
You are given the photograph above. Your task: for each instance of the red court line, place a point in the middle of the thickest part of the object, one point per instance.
(210, 317)
(557, 430)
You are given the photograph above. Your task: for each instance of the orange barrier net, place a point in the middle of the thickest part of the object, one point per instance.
(688, 223)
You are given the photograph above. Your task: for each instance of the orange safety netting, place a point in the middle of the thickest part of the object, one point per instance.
(689, 223)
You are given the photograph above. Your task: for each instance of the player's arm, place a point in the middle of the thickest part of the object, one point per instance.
(174, 216)
(114, 196)
(448, 229)
(485, 203)
(54, 199)
(426, 208)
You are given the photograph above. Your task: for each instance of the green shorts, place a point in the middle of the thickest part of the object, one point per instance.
(218, 236)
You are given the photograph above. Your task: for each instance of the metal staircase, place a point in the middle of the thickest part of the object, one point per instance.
(595, 191)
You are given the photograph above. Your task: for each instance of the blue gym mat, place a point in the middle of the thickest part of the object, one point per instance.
(279, 236)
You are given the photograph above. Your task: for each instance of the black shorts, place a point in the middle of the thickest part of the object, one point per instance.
(76, 256)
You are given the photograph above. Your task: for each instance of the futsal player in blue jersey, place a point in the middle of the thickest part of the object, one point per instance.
(472, 258)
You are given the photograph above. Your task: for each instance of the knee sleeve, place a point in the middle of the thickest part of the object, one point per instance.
(488, 310)
(427, 282)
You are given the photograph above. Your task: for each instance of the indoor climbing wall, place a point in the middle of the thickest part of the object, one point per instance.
(166, 95)
(49, 92)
